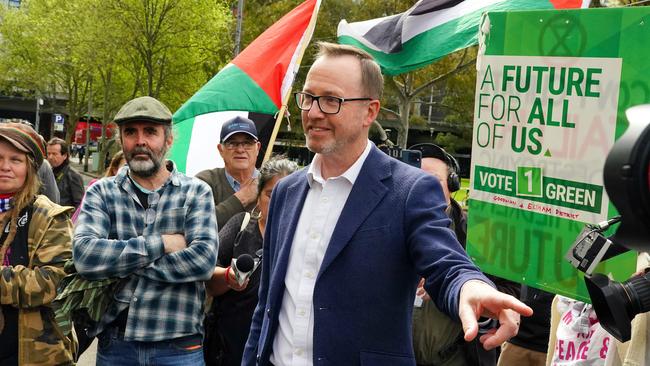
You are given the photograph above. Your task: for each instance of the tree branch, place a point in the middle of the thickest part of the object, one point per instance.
(444, 76)
(396, 114)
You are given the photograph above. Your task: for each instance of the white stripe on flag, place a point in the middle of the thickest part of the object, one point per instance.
(422, 23)
(203, 153)
(292, 69)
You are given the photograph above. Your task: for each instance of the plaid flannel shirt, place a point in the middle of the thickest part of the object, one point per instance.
(165, 293)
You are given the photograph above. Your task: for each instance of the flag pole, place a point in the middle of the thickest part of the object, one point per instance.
(285, 99)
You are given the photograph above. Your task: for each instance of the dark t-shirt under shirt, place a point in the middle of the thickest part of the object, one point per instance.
(16, 255)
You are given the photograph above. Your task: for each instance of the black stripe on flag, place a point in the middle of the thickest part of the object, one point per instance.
(264, 124)
(387, 35)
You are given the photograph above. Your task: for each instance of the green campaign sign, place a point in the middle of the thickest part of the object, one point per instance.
(551, 91)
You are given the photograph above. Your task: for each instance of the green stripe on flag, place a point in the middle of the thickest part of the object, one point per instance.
(230, 90)
(182, 137)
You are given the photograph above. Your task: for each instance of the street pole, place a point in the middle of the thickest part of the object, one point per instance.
(37, 121)
(90, 109)
(240, 10)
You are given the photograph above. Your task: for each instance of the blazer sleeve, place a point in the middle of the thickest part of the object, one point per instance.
(435, 251)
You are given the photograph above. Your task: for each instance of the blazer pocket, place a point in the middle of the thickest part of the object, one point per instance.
(371, 233)
(369, 358)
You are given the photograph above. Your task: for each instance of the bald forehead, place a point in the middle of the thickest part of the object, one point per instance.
(435, 167)
(339, 69)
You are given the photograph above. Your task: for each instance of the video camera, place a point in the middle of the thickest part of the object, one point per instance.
(411, 157)
(627, 181)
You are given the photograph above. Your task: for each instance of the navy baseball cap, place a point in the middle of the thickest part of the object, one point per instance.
(238, 125)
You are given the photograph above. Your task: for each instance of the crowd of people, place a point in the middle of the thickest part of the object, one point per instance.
(149, 261)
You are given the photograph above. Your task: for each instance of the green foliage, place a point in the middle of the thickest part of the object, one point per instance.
(452, 143)
(169, 48)
(120, 49)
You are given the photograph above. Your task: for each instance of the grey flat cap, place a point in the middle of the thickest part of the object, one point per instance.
(144, 109)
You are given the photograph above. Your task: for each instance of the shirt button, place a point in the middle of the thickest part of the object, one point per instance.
(301, 312)
(298, 352)
(135, 299)
(315, 236)
(325, 199)
(309, 274)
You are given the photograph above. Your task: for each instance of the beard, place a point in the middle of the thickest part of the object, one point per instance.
(145, 168)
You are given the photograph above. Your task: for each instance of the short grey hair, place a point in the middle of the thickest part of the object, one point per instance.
(372, 81)
(278, 166)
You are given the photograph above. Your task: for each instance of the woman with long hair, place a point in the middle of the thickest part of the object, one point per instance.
(35, 242)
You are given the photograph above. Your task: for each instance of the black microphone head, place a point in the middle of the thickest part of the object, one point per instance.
(245, 263)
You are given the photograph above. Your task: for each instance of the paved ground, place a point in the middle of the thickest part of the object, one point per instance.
(87, 176)
(88, 357)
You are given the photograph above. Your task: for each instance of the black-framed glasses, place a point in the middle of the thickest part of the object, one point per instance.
(327, 104)
(246, 144)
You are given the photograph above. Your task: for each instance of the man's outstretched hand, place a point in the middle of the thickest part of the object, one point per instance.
(478, 299)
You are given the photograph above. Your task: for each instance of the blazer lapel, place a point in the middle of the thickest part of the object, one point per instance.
(367, 192)
(294, 200)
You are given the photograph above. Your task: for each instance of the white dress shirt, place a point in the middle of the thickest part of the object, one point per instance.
(293, 342)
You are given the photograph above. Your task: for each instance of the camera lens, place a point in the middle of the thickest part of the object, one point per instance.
(616, 303)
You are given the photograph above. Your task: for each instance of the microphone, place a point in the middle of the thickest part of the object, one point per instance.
(243, 267)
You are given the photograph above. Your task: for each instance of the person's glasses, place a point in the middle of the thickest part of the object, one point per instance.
(150, 212)
(246, 144)
(326, 103)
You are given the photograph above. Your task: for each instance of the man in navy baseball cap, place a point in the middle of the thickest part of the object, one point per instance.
(234, 187)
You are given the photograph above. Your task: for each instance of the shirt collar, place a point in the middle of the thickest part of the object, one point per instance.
(314, 170)
(235, 184)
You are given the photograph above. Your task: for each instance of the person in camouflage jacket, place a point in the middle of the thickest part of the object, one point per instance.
(35, 244)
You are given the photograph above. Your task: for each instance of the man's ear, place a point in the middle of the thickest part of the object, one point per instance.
(373, 111)
(220, 148)
(169, 140)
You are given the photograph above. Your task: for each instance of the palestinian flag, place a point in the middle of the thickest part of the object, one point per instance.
(256, 84)
(431, 29)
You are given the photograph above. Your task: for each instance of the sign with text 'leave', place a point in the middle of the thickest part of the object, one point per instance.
(551, 91)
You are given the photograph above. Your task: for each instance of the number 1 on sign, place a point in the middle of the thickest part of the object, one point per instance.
(529, 176)
(529, 181)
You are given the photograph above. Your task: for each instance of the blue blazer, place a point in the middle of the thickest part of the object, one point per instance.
(392, 230)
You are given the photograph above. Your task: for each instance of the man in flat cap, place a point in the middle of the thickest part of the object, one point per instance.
(234, 187)
(154, 228)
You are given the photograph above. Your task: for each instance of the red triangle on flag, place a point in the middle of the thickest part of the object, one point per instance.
(268, 57)
(567, 4)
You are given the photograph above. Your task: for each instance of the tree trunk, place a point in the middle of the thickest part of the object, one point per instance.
(404, 115)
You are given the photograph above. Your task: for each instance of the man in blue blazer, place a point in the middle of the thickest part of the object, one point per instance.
(348, 237)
